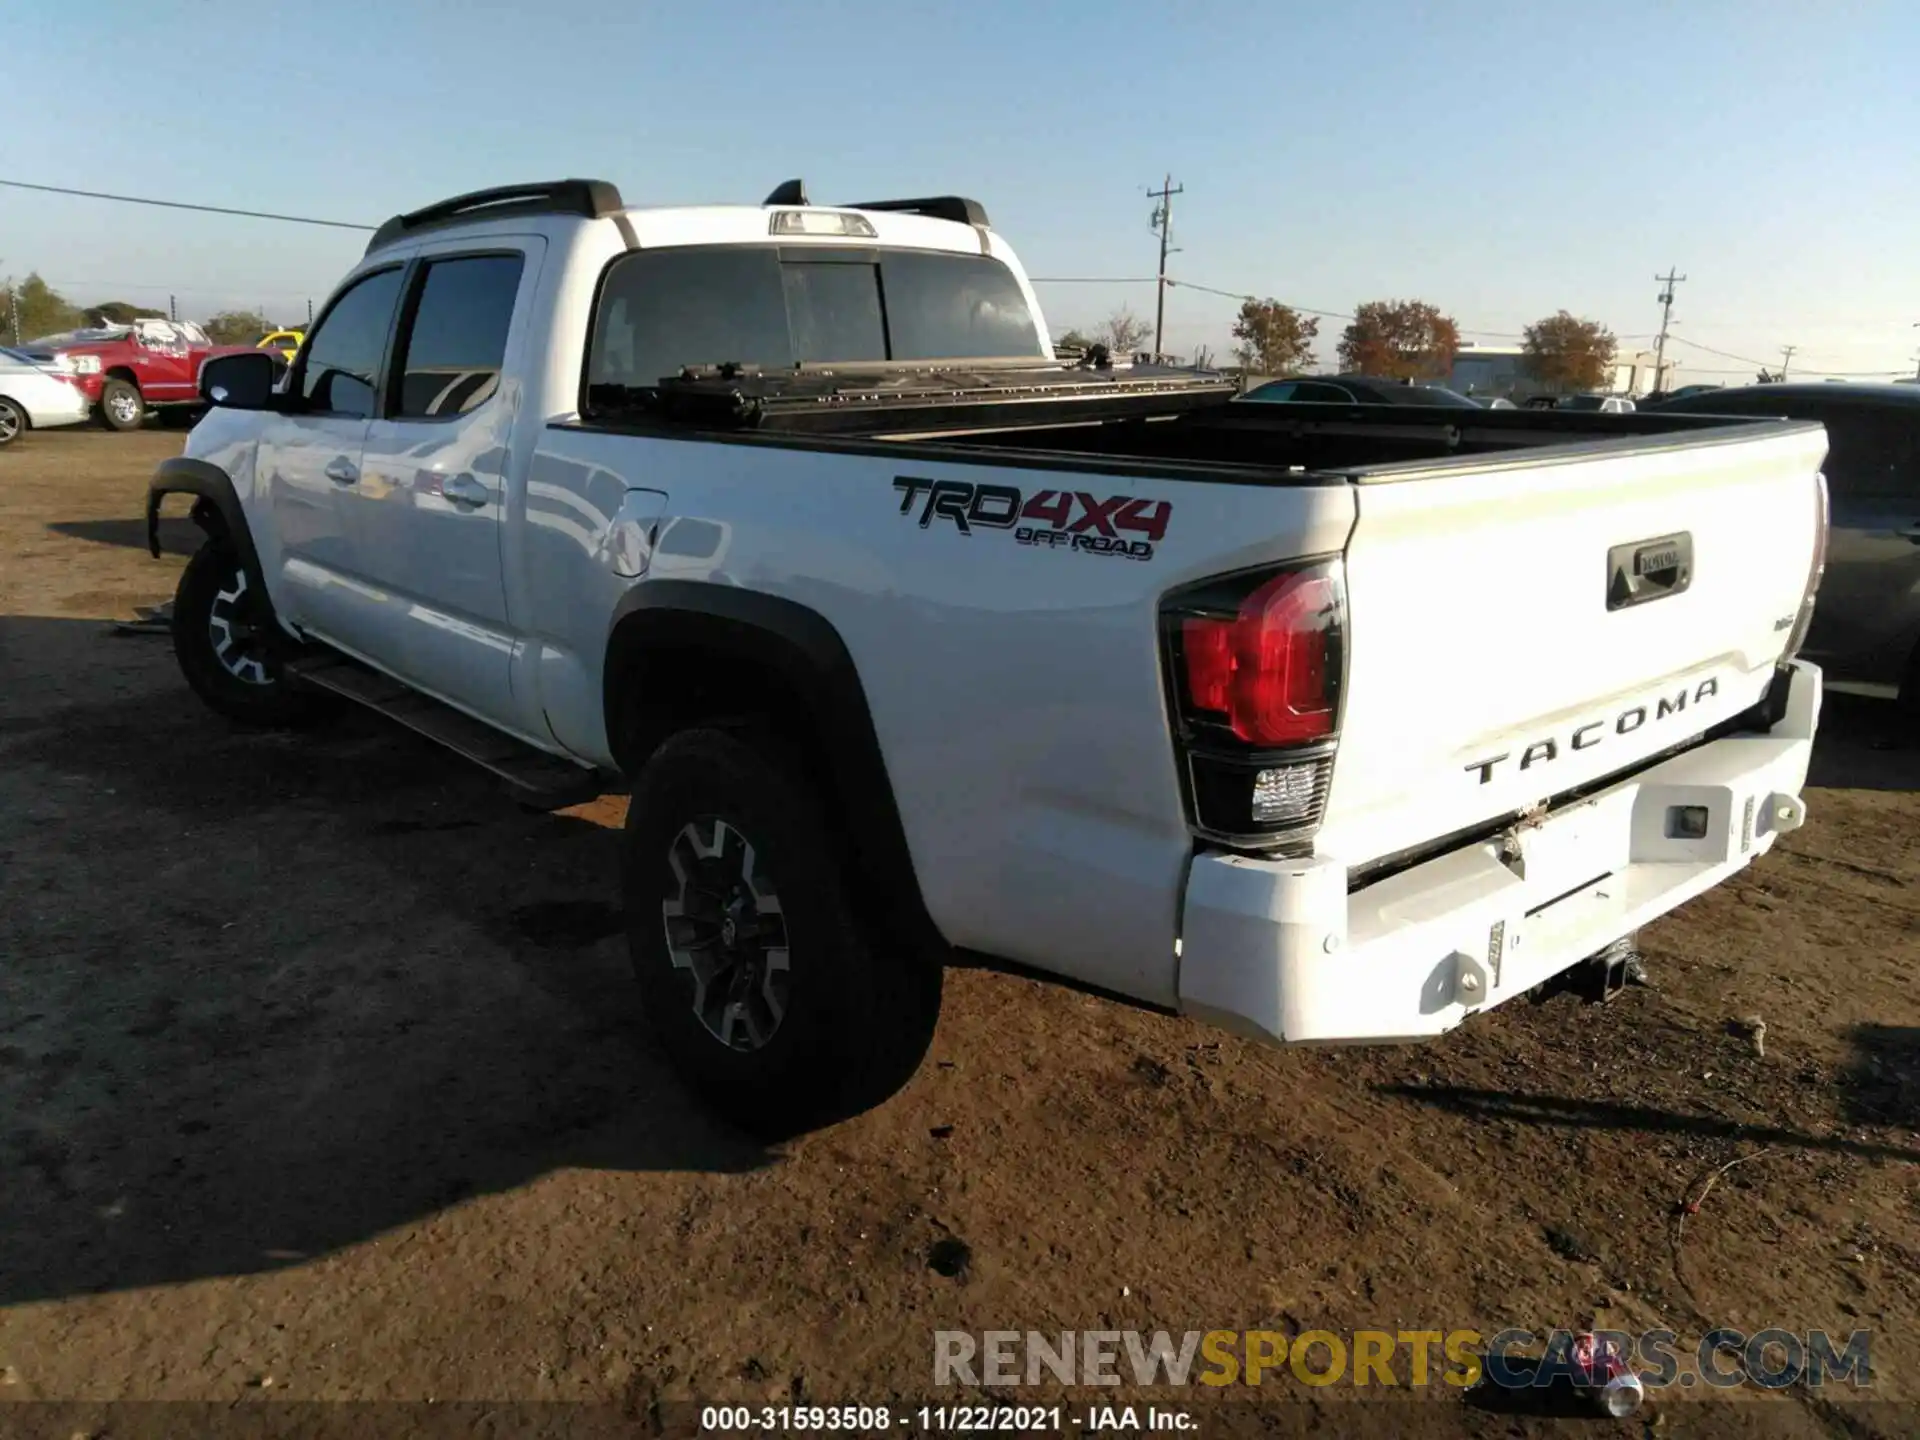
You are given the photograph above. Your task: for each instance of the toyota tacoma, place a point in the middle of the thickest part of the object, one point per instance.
(912, 643)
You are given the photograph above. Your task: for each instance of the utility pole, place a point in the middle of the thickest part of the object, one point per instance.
(1163, 226)
(1916, 354)
(173, 309)
(1667, 282)
(1786, 355)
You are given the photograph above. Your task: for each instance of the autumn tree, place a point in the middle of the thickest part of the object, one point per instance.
(1275, 339)
(1124, 333)
(1568, 353)
(237, 327)
(1400, 339)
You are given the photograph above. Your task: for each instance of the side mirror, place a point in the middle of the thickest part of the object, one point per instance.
(242, 381)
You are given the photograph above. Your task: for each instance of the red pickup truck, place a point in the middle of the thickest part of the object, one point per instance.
(127, 370)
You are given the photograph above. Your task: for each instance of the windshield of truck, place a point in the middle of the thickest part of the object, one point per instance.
(662, 310)
(76, 337)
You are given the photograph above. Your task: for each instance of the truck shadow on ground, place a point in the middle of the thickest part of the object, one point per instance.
(1522, 1108)
(1865, 744)
(269, 995)
(178, 535)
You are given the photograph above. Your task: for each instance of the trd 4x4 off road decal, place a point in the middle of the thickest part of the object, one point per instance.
(1051, 519)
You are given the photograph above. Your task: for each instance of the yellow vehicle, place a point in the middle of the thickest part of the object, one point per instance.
(285, 341)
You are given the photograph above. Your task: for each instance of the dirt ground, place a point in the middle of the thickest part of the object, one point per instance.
(322, 1078)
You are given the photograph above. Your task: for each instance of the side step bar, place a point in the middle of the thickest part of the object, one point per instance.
(536, 779)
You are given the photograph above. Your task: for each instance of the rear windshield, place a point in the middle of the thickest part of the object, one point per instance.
(661, 310)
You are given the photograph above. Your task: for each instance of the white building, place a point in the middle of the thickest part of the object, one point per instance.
(1498, 370)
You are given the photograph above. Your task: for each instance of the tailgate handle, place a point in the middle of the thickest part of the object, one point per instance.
(1644, 570)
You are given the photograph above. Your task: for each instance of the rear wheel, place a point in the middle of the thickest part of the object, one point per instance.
(761, 985)
(121, 405)
(230, 647)
(13, 422)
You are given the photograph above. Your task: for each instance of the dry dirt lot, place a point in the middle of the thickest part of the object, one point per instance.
(321, 1078)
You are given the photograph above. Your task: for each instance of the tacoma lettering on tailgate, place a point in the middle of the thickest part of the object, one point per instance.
(1593, 732)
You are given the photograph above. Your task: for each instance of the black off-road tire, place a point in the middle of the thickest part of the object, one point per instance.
(854, 1022)
(229, 646)
(122, 407)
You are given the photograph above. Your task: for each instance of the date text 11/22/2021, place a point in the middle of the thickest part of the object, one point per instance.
(939, 1419)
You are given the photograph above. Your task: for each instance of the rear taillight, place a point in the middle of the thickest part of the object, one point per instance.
(1822, 522)
(1254, 663)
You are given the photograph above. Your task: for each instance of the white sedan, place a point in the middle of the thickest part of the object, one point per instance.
(35, 397)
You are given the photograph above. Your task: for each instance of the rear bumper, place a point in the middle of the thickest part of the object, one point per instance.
(1279, 950)
(68, 407)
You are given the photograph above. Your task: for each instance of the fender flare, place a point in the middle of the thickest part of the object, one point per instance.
(216, 508)
(803, 648)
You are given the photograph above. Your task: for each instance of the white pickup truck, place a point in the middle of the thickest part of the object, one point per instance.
(1325, 723)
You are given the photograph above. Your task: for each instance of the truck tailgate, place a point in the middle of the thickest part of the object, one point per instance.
(1522, 625)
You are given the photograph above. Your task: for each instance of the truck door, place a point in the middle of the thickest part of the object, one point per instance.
(307, 467)
(163, 362)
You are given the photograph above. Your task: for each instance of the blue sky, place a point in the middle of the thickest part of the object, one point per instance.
(1501, 160)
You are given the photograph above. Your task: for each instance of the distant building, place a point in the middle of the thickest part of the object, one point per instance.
(1499, 370)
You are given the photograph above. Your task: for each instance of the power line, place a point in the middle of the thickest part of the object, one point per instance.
(183, 205)
(1724, 354)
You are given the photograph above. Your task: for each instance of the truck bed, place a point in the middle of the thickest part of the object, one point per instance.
(1144, 420)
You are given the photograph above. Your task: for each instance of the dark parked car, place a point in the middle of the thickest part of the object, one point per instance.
(1356, 390)
(1866, 622)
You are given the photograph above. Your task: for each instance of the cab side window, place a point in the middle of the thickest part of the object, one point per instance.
(343, 354)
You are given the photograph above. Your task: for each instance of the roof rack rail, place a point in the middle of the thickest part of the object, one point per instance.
(591, 199)
(937, 207)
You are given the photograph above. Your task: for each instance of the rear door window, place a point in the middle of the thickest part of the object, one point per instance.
(456, 341)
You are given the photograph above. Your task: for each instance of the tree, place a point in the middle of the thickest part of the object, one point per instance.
(1275, 339)
(237, 327)
(1568, 353)
(40, 309)
(1123, 333)
(1073, 340)
(1403, 339)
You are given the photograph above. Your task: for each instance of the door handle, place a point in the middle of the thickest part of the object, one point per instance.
(463, 489)
(341, 471)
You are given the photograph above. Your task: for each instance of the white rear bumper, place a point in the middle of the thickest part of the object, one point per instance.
(1279, 950)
